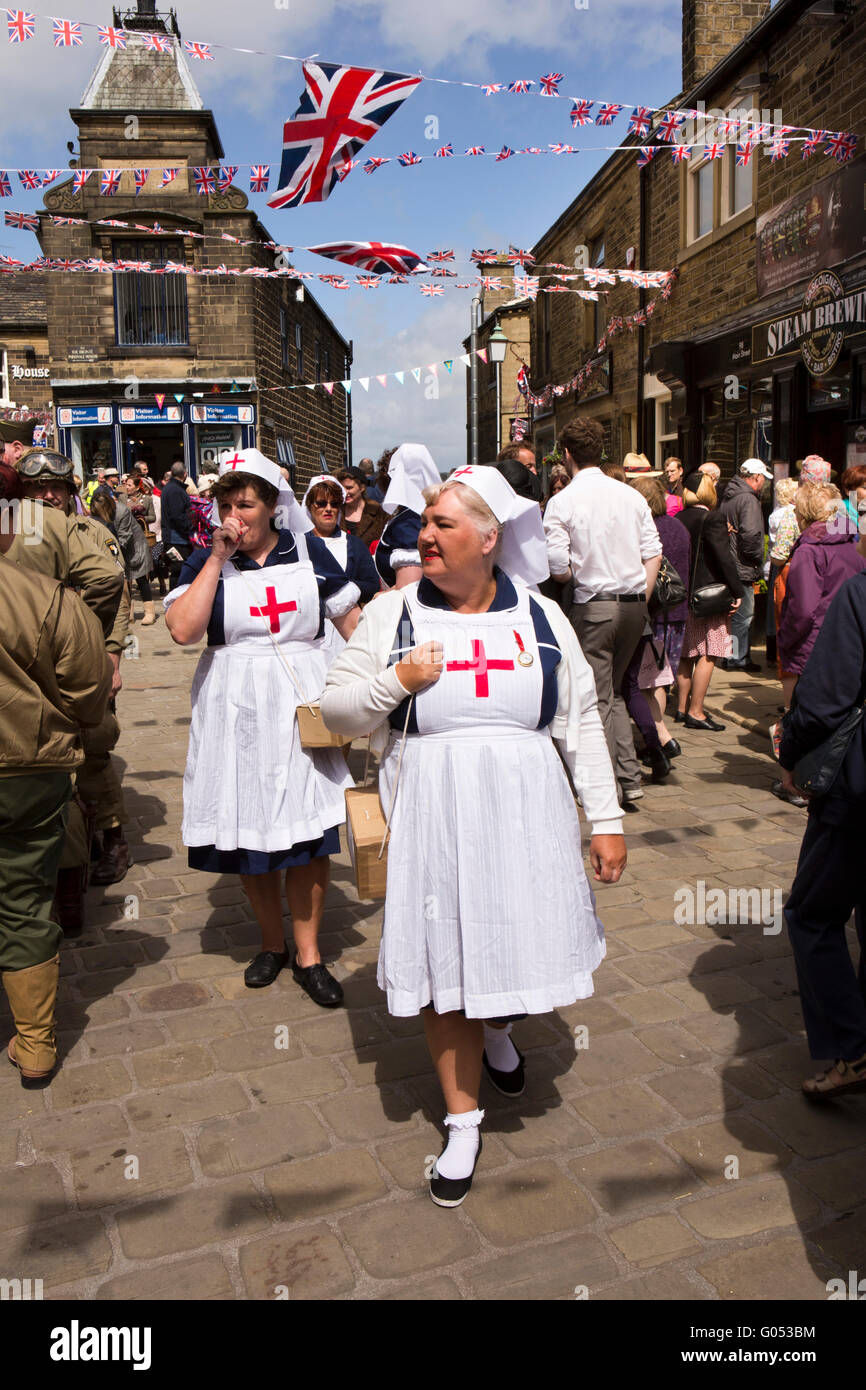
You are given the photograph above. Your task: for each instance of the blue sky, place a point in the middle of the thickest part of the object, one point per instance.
(616, 50)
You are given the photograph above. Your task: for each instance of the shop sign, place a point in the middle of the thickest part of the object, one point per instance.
(70, 415)
(82, 354)
(222, 414)
(149, 415)
(30, 373)
(818, 330)
(820, 226)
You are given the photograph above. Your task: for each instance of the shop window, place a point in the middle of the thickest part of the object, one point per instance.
(666, 434)
(286, 456)
(739, 182)
(701, 198)
(830, 392)
(299, 349)
(712, 403)
(284, 339)
(149, 310)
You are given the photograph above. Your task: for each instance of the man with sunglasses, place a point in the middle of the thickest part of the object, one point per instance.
(84, 555)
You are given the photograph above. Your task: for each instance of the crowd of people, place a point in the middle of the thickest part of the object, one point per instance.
(500, 645)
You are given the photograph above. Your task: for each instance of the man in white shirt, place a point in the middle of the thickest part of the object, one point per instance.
(600, 533)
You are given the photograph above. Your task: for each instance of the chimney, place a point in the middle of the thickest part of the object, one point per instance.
(711, 28)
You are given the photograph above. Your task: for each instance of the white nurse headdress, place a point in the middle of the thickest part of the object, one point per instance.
(523, 553)
(314, 482)
(411, 470)
(289, 516)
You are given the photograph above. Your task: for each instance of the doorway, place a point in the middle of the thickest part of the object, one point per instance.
(156, 445)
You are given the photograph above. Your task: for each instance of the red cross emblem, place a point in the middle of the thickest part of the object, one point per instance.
(480, 665)
(461, 471)
(233, 463)
(272, 609)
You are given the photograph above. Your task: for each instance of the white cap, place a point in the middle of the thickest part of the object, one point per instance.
(523, 554)
(756, 467)
(288, 515)
(411, 470)
(322, 478)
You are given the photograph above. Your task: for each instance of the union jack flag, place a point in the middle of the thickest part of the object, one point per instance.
(640, 120)
(521, 85)
(440, 255)
(67, 34)
(580, 113)
(490, 282)
(595, 275)
(646, 154)
(345, 169)
(533, 149)
(204, 180)
(681, 152)
(842, 146)
(550, 84)
(198, 50)
(779, 149)
(80, 179)
(70, 222)
(110, 37)
(811, 143)
(504, 153)
(259, 178)
(157, 43)
(559, 148)
(375, 162)
(440, 270)
(516, 257)
(607, 113)
(410, 157)
(725, 128)
(49, 175)
(670, 124)
(141, 176)
(367, 282)
(745, 150)
(484, 257)
(340, 110)
(5, 185)
(490, 88)
(110, 182)
(373, 256)
(21, 25)
(225, 177)
(432, 289)
(23, 221)
(29, 178)
(475, 149)
(65, 265)
(444, 152)
(168, 176)
(526, 286)
(714, 151)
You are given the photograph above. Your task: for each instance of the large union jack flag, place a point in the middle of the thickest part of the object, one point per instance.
(376, 257)
(22, 221)
(67, 34)
(259, 178)
(580, 113)
(21, 25)
(110, 37)
(341, 109)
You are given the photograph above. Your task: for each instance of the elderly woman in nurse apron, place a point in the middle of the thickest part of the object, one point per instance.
(480, 927)
(324, 501)
(255, 802)
(411, 470)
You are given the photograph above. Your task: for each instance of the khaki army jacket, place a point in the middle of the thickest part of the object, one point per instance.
(79, 552)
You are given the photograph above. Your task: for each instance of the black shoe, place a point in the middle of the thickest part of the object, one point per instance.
(507, 1083)
(319, 983)
(449, 1192)
(707, 723)
(752, 667)
(680, 718)
(671, 749)
(660, 764)
(265, 968)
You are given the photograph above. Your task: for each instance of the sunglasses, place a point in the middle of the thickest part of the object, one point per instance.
(326, 506)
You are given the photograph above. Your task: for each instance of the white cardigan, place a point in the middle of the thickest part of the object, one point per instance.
(362, 690)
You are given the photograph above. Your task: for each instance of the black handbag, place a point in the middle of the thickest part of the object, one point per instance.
(710, 600)
(669, 589)
(817, 770)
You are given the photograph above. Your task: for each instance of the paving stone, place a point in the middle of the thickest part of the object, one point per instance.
(737, 1032)
(521, 1202)
(648, 1006)
(658, 936)
(59, 1252)
(340, 1031)
(746, 1076)
(837, 1180)
(186, 1105)
(259, 1139)
(73, 1129)
(634, 1176)
(611, 1058)
(308, 1264)
(331, 1182)
(389, 1061)
(814, 1131)
(695, 1093)
(538, 1130)
(189, 1220)
(208, 1024)
(745, 1208)
(361, 1116)
(844, 1241)
(595, 1014)
(260, 1047)
(427, 1291)
(180, 996)
(130, 981)
(305, 1079)
(653, 1241)
(167, 1066)
(662, 1286)
(778, 1270)
(395, 1239)
(553, 1270)
(94, 1081)
(708, 1148)
(651, 970)
(615, 1111)
(100, 1171)
(134, 1036)
(707, 993)
(207, 1276)
(672, 1044)
(30, 1194)
(95, 1012)
(201, 967)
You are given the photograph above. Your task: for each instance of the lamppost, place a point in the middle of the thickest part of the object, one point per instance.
(496, 345)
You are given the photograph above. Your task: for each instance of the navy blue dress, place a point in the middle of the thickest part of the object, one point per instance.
(401, 533)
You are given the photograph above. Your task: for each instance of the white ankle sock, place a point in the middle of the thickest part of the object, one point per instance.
(501, 1052)
(458, 1160)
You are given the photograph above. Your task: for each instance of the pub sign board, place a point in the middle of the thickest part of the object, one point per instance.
(818, 330)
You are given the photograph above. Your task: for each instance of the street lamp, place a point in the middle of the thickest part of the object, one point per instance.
(496, 345)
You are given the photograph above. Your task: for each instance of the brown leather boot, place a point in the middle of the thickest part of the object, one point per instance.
(114, 861)
(32, 995)
(149, 615)
(69, 901)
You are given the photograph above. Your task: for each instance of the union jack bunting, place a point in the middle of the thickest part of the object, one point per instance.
(198, 50)
(444, 152)
(475, 149)
(842, 146)
(397, 279)
(556, 289)
(516, 257)
(484, 257)
(22, 221)
(490, 282)
(259, 178)
(367, 282)
(440, 255)
(607, 113)
(559, 148)
(724, 129)
(745, 150)
(580, 113)
(670, 124)
(505, 153)
(49, 175)
(410, 157)
(533, 149)
(550, 84)
(375, 162)
(5, 185)
(157, 43)
(490, 88)
(594, 275)
(640, 120)
(29, 178)
(779, 149)
(65, 265)
(681, 152)
(67, 34)
(431, 289)
(521, 85)
(373, 256)
(526, 286)
(205, 181)
(141, 177)
(110, 37)
(345, 170)
(646, 154)
(71, 222)
(225, 177)
(813, 140)
(110, 182)
(168, 176)
(21, 25)
(340, 110)
(80, 179)
(440, 270)
(758, 131)
(713, 151)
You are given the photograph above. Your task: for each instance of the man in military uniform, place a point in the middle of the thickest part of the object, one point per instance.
(15, 437)
(48, 486)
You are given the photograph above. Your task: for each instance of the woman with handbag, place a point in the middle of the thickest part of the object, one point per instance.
(257, 803)
(715, 591)
(479, 674)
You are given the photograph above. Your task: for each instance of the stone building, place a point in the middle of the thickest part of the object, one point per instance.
(221, 349)
(761, 348)
(25, 370)
(499, 403)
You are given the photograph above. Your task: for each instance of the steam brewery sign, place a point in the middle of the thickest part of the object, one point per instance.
(829, 315)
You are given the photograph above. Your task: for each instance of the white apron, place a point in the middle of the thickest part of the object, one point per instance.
(488, 907)
(332, 643)
(248, 782)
